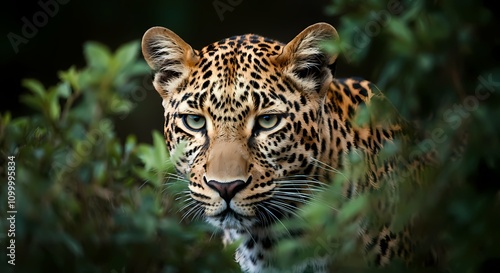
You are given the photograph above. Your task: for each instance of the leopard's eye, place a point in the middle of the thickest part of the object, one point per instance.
(194, 122)
(268, 122)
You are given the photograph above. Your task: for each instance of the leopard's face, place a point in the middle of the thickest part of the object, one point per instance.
(243, 114)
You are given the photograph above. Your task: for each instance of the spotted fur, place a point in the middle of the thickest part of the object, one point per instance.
(243, 177)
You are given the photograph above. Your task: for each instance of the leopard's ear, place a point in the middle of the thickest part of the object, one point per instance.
(170, 57)
(305, 59)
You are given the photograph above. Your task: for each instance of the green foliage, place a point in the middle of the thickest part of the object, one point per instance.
(86, 200)
(435, 61)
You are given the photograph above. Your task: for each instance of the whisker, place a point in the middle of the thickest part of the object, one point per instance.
(277, 219)
(250, 234)
(328, 168)
(191, 202)
(199, 214)
(302, 182)
(284, 207)
(174, 178)
(266, 218)
(311, 182)
(192, 211)
(185, 193)
(145, 182)
(214, 231)
(302, 198)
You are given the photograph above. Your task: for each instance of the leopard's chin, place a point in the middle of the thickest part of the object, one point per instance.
(229, 219)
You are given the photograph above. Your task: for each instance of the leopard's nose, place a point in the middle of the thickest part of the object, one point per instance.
(227, 190)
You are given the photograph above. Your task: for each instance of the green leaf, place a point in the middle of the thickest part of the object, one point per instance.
(362, 116)
(64, 89)
(155, 159)
(97, 55)
(137, 68)
(130, 144)
(5, 119)
(126, 54)
(401, 31)
(72, 76)
(352, 208)
(71, 244)
(99, 171)
(119, 105)
(53, 103)
(33, 102)
(160, 146)
(34, 86)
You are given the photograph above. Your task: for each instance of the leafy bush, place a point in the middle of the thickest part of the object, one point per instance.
(87, 201)
(438, 64)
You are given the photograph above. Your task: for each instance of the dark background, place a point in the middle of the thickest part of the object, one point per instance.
(58, 44)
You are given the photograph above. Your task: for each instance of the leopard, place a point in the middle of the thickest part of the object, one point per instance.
(253, 122)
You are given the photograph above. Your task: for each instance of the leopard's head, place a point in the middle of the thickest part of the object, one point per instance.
(245, 115)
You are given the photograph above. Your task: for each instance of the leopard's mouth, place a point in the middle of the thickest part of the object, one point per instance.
(229, 219)
(265, 216)
(229, 214)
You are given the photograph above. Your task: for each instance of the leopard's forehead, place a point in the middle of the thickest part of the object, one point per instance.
(234, 79)
(228, 60)
(250, 44)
